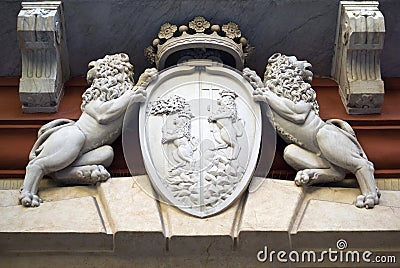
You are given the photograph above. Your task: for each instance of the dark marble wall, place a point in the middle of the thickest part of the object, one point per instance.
(305, 28)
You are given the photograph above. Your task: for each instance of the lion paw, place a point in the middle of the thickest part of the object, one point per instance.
(28, 199)
(139, 95)
(301, 178)
(147, 76)
(258, 97)
(100, 174)
(305, 177)
(91, 174)
(367, 201)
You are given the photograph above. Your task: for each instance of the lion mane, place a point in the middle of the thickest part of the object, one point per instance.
(109, 77)
(287, 77)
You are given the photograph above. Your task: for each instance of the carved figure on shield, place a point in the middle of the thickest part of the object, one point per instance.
(179, 132)
(180, 136)
(321, 151)
(229, 127)
(78, 152)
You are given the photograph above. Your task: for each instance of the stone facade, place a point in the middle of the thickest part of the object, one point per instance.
(117, 223)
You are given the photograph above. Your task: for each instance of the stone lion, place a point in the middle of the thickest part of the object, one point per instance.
(78, 152)
(321, 151)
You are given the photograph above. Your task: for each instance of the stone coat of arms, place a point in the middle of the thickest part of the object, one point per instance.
(200, 134)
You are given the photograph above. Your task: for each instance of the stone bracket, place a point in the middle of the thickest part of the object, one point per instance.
(356, 64)
(45, 66)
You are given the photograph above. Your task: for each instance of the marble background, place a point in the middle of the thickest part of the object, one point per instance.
(305, 28)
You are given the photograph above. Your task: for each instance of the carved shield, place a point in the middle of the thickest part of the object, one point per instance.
(200, 134)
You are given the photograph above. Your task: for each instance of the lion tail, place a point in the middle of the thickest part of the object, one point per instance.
(348, 130)
(342, 125)
(44, 132)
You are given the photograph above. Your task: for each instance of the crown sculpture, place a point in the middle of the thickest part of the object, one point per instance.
(199, 123)
(199, 39)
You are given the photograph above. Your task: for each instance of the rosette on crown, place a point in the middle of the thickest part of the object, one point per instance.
(231, 30)
(199, 24)
(199, 39)
(167, 31)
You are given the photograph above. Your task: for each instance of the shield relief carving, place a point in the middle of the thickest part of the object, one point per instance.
(200, 134)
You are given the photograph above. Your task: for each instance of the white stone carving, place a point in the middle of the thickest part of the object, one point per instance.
(179, 133)
(356, 64)
(229, 126)
(197, 149)
(321, 151)
(45, 67)
(199, 35)
(78, 152)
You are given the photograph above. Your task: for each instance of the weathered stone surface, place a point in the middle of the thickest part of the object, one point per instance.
(133, 215)
(389, 184)
(77, 225)
(8, 198)
(323, 223)
(391, 198)
(190, 236)
(50, 193)
(333, 194)
(72, 224)
(332, 216)
(56, 193)
(268, 216)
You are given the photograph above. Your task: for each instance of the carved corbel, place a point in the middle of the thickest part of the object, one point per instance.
(356, 64)
(45, 66)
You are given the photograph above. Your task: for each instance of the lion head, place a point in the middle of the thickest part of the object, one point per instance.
(288, 77)
(109, 78)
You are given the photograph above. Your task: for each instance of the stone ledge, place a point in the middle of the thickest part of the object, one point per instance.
(133, 216)
(191, 236)
(67, 225)
(117, 221)
(328, 215)
(268, 215)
